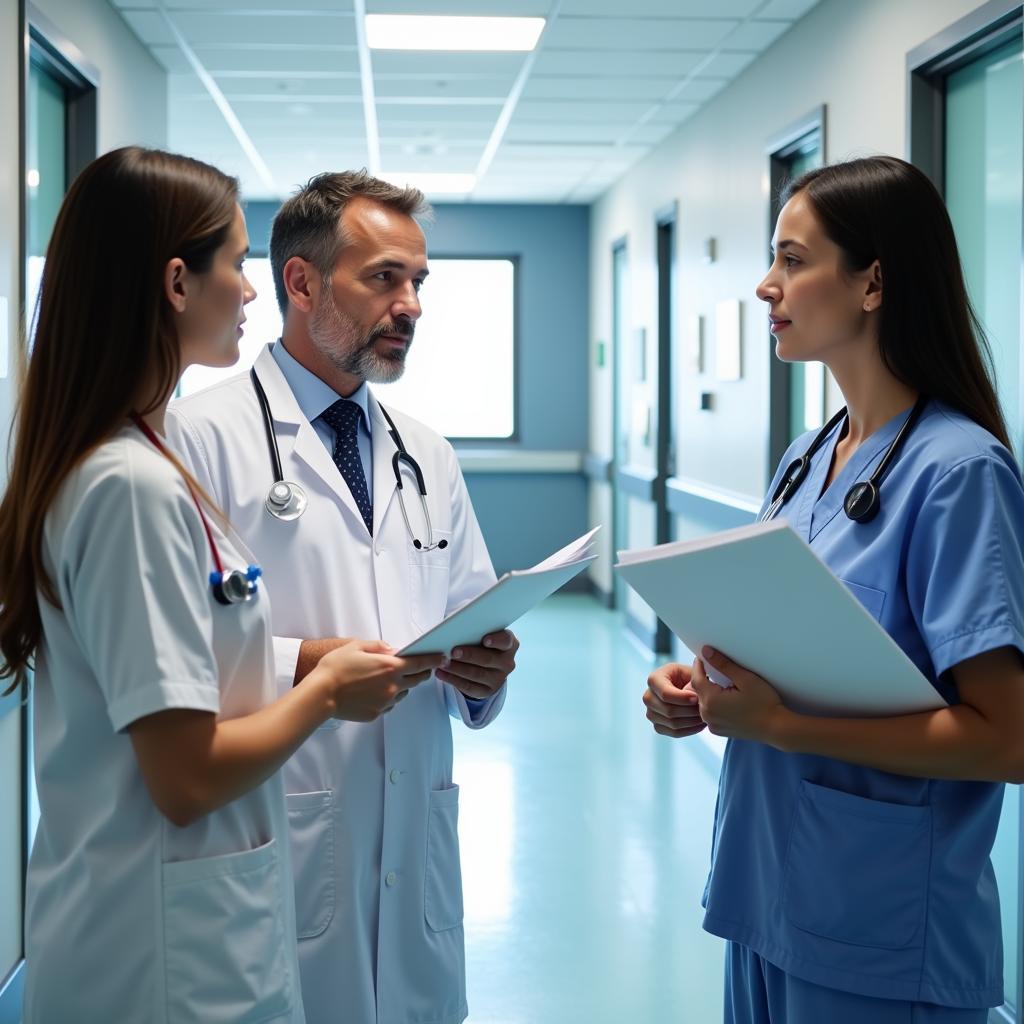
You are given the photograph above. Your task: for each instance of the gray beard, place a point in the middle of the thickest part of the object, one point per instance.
(336, 337)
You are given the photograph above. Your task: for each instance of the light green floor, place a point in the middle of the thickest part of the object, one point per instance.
(585, 841)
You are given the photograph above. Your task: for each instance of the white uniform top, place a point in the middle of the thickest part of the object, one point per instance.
(128, 917)
(372, 806)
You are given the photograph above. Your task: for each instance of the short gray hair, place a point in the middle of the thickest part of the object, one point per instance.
(307, 223)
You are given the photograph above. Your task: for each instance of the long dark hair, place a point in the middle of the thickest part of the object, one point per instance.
(885, 209)
(104, 335)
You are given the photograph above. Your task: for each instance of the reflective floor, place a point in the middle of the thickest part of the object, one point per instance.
(585, 841)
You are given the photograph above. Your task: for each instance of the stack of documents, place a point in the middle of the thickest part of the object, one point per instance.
(760, 596)
(508, 599)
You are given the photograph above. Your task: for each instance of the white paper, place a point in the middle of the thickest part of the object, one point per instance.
(508, 599)
(760, 595)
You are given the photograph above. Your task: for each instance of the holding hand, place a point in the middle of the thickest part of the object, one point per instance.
(480, 671)
(746, 710)
(672, 703)
(364, 679)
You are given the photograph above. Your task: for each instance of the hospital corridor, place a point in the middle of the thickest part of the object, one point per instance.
(512, 512)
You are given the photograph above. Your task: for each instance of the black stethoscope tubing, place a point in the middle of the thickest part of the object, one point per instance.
(295, 491)
(863, 499)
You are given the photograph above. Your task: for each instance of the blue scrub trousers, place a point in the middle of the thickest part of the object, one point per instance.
(757, 992)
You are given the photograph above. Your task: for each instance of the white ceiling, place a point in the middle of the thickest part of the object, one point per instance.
(601, 89)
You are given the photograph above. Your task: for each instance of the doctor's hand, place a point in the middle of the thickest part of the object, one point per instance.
(746, 710)
(479, 672)
(364, 679)
(672, 703)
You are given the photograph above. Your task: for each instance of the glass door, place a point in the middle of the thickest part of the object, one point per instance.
(984, 188)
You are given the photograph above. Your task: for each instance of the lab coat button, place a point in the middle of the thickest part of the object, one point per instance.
(395, 775)
(391, 878)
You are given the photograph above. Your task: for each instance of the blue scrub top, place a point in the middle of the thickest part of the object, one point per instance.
(858, 879)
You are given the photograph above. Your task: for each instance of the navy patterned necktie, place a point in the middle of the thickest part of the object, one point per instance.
(343, 419)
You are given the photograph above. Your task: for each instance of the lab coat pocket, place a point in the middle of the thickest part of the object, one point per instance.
(428, 582)
(225, 946)
(311, 825)
(857, 869)
(442, 891)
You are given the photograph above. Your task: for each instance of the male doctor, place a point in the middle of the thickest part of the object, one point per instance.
(371, 806)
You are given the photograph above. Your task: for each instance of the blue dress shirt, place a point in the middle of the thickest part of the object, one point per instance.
(315, 398)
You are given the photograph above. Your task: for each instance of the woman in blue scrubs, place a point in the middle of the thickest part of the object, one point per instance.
(850, 869)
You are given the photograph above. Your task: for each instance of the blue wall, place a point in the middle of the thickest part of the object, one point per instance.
(524, 516)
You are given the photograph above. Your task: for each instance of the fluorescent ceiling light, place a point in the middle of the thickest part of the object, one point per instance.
(432, 184)
(449, 32)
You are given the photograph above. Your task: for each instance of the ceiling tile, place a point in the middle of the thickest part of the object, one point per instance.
(756, 35)
(609, 63)
(274, 60)
(662, 8)
(653, 89)
(208, 28)
(641, 33)
(604, 110)
(728, 64)
(491, 90)
(791, 9)
(446, 65)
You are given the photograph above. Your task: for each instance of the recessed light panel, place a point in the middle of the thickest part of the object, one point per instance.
(450, 32)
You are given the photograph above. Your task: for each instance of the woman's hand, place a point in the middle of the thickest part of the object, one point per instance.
(746, 710)
(671, 702)
(364, 679)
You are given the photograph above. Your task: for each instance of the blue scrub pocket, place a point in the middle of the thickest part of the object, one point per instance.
(442, 891)
(857, 869)
(871, 598)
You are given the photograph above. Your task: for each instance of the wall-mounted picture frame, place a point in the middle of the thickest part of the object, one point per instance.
(728, 359)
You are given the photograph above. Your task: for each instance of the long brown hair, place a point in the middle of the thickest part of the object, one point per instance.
(882, 208)
(104, 335)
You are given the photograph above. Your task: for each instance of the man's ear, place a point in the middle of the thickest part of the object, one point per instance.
(174, 284)
(301, 284)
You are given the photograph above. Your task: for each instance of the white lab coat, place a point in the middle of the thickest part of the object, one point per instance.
(372, 807)
(128, 917)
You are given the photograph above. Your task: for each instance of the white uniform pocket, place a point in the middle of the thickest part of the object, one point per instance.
(225, 947)
(428, 582)
(311, 826)
(442, 890)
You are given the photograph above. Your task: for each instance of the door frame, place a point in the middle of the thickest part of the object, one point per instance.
(928, 65)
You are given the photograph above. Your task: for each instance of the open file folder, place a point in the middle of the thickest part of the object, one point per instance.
(762, 597)
(508, 599)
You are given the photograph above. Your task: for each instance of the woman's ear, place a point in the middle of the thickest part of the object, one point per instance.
(873, 293)
(174, 284)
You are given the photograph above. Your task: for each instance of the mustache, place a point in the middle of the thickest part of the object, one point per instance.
(401, 328)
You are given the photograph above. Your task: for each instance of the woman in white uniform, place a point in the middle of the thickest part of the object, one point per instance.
(159, 885)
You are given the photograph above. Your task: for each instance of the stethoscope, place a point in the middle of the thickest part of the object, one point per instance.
(863, 499)
(287, 500)
(232, 586)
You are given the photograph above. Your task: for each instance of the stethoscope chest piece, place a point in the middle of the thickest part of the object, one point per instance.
(235, 586)
(286, 501)
(862, 502)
